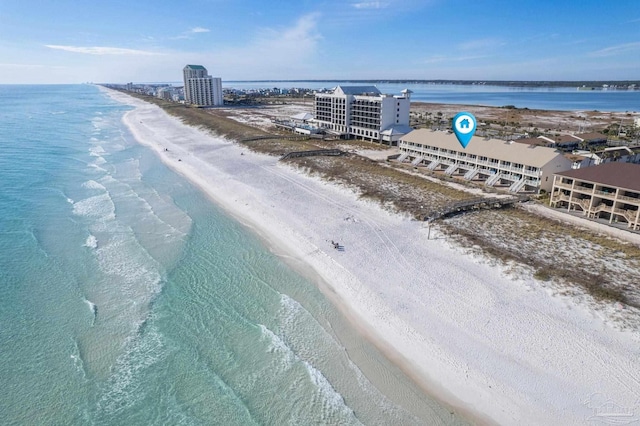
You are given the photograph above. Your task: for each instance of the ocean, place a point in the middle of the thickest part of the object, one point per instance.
(546, 98)
(128, 297)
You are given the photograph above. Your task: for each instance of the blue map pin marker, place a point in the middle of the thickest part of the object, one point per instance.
(464, 126)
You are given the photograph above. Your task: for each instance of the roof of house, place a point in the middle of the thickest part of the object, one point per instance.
(302, 116)
(531, 155)
(397, 129)
(533, 141)
(358, 90)
(195, 67)
(622, 149)
(575, 157)
(621, 175)
(593, 136)
(566, 139)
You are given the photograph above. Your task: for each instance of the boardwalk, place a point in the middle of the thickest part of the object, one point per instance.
(475, 204)
(330, 152)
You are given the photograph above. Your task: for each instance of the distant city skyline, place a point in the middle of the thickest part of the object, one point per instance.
(77, 41)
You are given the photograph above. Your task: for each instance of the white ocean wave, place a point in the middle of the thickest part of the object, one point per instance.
(91, 242)
(97, 150)
(99, 207)
(277, 345)
(94, 310)
(332, 399)
(124, 386)
(92, 184)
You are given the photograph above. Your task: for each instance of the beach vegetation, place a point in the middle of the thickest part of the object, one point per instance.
(565, 255)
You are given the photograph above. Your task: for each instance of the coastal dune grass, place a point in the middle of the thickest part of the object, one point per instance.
(603, 267)
(400, 191)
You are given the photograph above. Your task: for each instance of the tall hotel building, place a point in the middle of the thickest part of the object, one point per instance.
(363, 112)
(200, 88)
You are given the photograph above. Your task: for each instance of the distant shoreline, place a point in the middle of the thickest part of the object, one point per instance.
(504, 83)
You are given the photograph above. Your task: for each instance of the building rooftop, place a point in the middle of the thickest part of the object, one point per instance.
(593, 136)
(566, 139)
(621, 175)
(533, 141)
(358, 90)
(397, 129)
(196, 67)
(531, 155)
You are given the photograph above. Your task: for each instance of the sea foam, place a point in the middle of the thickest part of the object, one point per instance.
(91, 242)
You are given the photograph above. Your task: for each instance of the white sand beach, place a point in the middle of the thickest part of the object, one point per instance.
(497, 349)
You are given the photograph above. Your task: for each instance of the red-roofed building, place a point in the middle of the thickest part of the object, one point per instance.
(610, 191)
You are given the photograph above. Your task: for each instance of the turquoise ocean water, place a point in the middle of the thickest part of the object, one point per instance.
(127, 297)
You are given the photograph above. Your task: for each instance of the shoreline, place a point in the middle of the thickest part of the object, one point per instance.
(432, 321)
(289, 253)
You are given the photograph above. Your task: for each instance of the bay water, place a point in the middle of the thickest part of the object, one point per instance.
(545, 98)
(127, 297)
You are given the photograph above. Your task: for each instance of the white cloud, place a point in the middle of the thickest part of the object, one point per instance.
(616, 50)
(199, 30)
(300, 39)
(187, 34)
(102, 50)
(287, 51)
(370, 5)
(273, 53)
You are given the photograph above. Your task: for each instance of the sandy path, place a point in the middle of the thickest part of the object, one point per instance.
(498, 348)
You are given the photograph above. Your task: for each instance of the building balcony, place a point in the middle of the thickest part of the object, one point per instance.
(513, 169)
(482, 163)
(560, 184)
(632, 200)
(583, 189)
(605, 194)
(510, 176)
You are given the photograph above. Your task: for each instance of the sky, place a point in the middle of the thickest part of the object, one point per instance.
(119, 41)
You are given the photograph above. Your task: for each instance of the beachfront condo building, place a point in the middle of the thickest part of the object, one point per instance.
(363, 112)
(200, 88)
(496, 163)
(609, 191)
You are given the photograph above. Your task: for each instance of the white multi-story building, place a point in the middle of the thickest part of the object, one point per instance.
(200, 88)
(518, 167)
(364, 112)
(165, 93)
